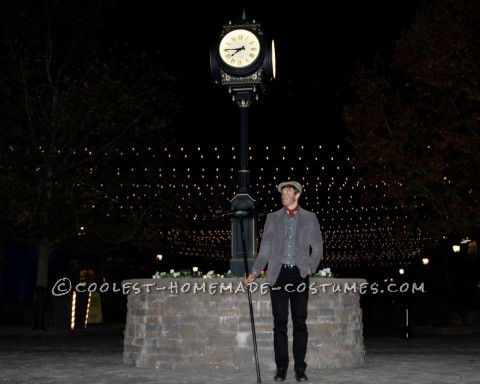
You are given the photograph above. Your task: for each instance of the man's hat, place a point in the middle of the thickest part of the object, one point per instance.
(294, 183)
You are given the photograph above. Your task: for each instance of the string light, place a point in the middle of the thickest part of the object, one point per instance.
(205, 179)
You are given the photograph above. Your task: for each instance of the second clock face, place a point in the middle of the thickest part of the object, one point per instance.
(239, 48)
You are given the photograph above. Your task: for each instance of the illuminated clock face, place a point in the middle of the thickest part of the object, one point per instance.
(239, 48)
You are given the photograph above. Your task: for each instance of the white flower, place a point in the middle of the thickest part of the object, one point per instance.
(173, 273)
(325, 272)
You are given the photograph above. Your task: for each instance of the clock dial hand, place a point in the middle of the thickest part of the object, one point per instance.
(238, 50)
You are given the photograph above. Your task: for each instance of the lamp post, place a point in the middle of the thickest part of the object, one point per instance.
(243, 204)
(243, 60)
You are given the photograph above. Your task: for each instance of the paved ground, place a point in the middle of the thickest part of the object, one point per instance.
(94, 355)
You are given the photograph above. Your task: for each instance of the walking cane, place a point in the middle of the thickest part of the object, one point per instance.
(252, 321)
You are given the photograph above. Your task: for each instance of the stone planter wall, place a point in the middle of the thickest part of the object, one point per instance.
(192, 323)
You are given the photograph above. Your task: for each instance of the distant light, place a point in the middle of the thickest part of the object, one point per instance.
(72, 310)
(425, 261)
(159, 257)
(195, 269)
(88, 309)
(456, 248)
(401, 271)
(465, 241)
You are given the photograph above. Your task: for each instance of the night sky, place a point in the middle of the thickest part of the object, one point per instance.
(316, 55)
(316, 52)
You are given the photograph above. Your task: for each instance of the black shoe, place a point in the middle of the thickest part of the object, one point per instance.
(280, 374)
(300, 375)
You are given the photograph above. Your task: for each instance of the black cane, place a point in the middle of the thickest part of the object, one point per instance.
(252, 321)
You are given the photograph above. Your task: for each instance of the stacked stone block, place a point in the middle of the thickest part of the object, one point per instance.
(193, 323)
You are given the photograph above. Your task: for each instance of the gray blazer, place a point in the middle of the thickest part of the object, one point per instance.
(308, 244)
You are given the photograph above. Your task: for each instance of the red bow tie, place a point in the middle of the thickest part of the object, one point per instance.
(291, 212)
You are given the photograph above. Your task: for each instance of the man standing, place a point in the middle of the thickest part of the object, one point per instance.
(292, 245)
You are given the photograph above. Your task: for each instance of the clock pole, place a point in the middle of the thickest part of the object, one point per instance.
(243, 60)
(243, 101)
(241, 262)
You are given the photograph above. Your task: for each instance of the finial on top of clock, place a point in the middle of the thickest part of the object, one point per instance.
(244, 17)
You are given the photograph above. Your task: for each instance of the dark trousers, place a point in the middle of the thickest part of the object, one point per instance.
(290, 288)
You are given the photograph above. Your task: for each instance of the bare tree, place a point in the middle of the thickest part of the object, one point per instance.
(79, 125)
(415, 121)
